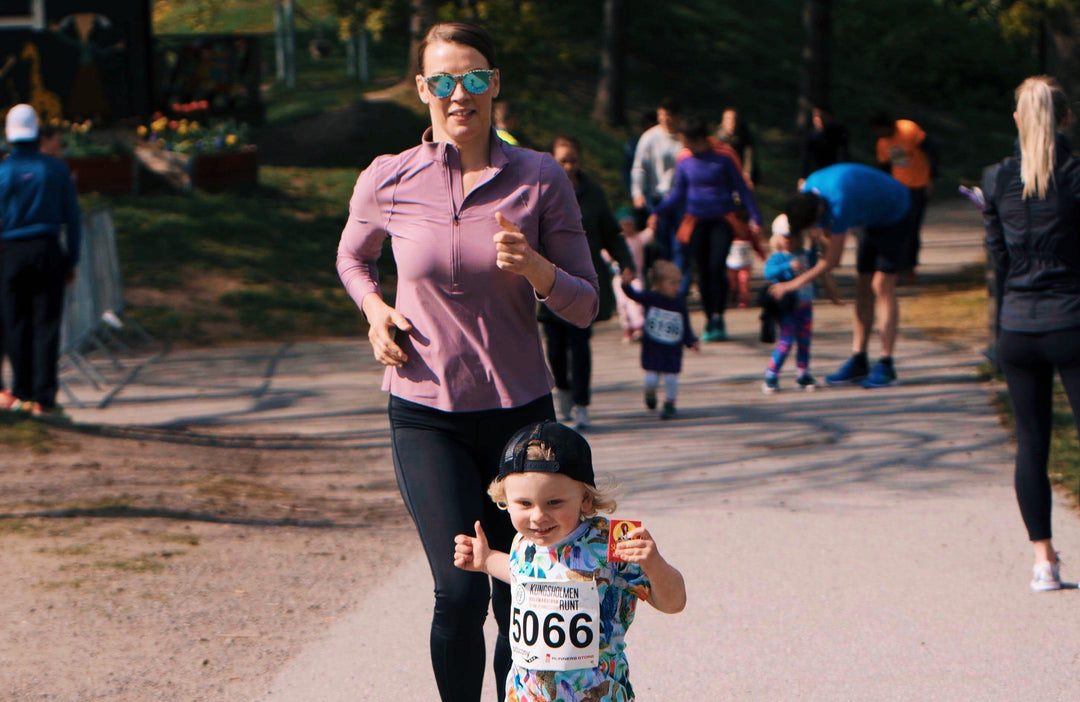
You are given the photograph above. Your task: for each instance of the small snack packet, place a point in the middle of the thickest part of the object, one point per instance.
(620, 530)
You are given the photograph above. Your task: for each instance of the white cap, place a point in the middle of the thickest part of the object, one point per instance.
(780, 225)
(21, 124)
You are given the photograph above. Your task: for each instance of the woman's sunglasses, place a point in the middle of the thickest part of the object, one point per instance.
(476, 82)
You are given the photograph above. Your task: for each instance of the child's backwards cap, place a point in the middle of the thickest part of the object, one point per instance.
(781, 226)
(624, 213)
(573, 457)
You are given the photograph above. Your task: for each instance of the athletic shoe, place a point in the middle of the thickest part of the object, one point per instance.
(668, 412)
(770, 386)
(853, 370)
(1046, 576)
(564, 401)
(805, 382)
(9, 401)
(650, 399)
(581, 417)
(55, 413)
(714, 330)
(882, 375)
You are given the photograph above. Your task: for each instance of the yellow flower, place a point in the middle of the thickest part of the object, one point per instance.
(194, 125)
(182, 130)
(159, 124)
(142, 130)
(184, 123)
(230, 140)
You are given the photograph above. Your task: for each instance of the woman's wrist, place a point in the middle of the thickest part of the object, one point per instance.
(543, 281)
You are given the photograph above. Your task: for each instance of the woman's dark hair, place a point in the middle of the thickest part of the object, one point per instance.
(802, 211)
(564, 140)
(669, 105)
(694, 128)
(458, 33)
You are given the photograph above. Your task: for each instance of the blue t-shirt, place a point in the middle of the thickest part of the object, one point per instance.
(858, 196)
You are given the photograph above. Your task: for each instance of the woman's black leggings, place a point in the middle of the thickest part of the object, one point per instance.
(1028, 361)
(444, 462)
(710, 246)
(563, 339)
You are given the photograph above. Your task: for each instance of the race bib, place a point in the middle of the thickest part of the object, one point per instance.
(665, 326)
(555, 624)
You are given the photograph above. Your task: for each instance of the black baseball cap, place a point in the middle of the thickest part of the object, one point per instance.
(573, 457)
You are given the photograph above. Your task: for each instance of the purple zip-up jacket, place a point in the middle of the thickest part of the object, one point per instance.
(475, 343)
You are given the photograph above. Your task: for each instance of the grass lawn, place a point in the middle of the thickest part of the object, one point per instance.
(226, 267)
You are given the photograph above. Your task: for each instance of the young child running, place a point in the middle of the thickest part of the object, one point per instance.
(789, 259)
(667, 330)
(572, 602)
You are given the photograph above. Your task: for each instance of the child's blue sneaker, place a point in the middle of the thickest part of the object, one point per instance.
(883, 375)
(806, 382)
(853, 370)
(770, 386)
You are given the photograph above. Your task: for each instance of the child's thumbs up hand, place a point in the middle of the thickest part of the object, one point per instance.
(471, 552)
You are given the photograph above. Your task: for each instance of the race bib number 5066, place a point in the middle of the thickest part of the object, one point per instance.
(555, 624)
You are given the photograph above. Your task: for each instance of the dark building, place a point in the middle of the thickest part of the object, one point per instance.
(77, 59)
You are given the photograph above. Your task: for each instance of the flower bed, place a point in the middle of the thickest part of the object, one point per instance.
(208, 157)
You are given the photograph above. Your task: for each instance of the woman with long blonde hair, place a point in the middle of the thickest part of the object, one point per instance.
(1033, 236)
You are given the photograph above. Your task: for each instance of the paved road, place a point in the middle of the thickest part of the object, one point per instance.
(837, 545)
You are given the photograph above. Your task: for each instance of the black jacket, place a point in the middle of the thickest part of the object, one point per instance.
(603, 232)
(1035, 245)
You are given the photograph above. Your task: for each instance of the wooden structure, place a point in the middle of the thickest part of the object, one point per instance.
(77, 59)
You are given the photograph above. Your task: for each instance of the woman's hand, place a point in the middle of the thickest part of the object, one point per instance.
(513, 254)
(472, 552)
(383, 323)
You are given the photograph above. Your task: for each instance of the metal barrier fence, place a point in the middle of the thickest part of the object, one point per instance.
(94, 304)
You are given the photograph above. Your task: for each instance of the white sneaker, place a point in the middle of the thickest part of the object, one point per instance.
(581, 417)
(564, 403)
(1046, 576)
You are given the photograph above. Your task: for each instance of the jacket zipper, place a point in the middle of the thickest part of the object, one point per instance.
(455, 230)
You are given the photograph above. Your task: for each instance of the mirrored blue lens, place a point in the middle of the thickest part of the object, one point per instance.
(477, 82)
(441, 85)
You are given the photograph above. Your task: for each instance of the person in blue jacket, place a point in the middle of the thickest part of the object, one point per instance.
(837, 200)
(38, 206)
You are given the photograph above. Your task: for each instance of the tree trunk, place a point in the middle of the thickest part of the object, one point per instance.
(1063, 26)
(421, 17)
(610, 105)
(816, 81)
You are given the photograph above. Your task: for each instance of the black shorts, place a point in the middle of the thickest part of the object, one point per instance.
(885, 249)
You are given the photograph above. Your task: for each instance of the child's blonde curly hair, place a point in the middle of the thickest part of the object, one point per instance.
(602, 497)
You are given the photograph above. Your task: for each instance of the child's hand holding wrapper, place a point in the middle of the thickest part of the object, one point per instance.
(622, 530)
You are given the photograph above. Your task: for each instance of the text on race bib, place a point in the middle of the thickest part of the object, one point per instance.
(555, 624)
(665, 326)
